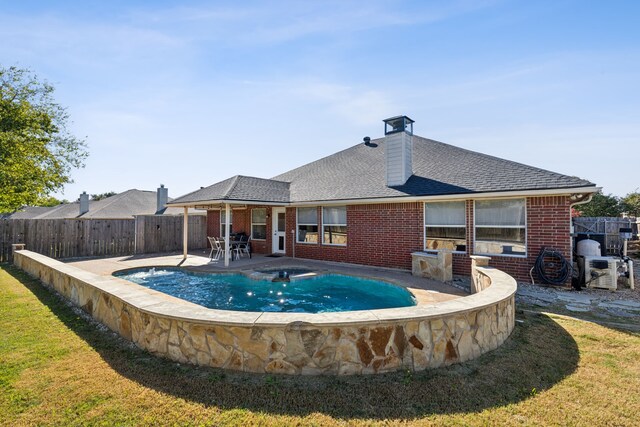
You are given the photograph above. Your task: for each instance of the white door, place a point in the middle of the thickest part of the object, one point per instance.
(279, 230)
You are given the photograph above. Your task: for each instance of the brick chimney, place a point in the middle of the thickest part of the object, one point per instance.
(398, 142)
(162, 197)
(84, 203)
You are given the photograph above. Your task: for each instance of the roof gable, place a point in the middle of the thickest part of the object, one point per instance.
(243, 188)
(438, 169)
(358, 173)
(119, 206)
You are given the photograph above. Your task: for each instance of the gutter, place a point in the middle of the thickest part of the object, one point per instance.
(402, 199)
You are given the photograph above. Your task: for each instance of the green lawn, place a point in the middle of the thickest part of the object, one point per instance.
(56, 368)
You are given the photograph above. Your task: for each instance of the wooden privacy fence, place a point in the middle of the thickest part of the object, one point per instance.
(607, 226)
(71, 238)
(68, 238)
(157, 233)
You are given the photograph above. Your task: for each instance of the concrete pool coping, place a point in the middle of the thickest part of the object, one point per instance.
(426, 291)
(368, 341)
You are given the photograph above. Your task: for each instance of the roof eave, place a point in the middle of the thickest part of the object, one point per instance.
(566, 191)
(225, 201)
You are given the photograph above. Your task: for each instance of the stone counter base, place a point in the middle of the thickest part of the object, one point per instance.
(367, 342)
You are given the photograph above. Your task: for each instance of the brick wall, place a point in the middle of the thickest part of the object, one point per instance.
(241, 222)
(548, 220)
(385, 235)
(381, 235)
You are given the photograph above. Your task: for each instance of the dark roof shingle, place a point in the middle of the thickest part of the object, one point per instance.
(358, 172)
(438, 169)
(119, 206)
(239, 187)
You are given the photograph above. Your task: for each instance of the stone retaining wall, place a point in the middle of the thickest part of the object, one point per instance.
(360, 342)
(433, 266)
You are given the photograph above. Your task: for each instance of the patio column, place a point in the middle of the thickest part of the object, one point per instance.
(185, 232)
(227, 214)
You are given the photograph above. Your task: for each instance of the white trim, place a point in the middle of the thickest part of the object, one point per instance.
(526, 233)
(227, 230)
(224, 223)
(298, 224)
(402, 199)
(274, 229)
(259, 223)
(215, 204)
(185, 233)
(424, 228)
(343, 245)
(502, 226)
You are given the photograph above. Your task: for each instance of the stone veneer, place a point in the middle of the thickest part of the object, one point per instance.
(357, 342)
(433, 266)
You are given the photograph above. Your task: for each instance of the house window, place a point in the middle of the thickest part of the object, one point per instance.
(500, 227)
(334, 225)
(307, 225)
(259, 223)
(223, 222)
(445, 226)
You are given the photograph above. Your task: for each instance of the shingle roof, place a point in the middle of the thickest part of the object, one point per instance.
(438, 169)
(119, 206)
(241, 187)
(359, 173)
(29, 212)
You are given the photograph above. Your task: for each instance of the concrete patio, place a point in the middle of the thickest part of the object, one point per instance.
(426, 291)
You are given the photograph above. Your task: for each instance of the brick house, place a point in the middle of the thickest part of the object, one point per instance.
(379, 201)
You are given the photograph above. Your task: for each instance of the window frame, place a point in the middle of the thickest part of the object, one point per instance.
(343, 245)
(222, 234)
(424, 227)
(259, 223)
(525, 226)
(298, 224)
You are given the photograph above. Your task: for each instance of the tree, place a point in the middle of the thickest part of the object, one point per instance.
(37, 152)
(49, 201)
(101, 196)
(601, 205)
(631, 204)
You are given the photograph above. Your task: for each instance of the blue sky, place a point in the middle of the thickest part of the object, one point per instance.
(189, 93)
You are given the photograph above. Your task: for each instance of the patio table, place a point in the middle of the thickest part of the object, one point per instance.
(233, 244)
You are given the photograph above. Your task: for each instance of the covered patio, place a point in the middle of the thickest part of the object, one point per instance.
(251, 206)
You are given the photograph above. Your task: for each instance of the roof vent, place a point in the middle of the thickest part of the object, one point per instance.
(368, 143)
(398, 150)
(398, 124)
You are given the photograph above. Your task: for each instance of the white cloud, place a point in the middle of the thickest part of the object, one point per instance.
(276, 22)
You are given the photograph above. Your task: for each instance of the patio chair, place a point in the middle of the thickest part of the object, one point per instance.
(215, 246)
(234, 252)
(244, 246)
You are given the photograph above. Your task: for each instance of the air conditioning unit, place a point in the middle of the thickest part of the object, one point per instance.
(601, 272)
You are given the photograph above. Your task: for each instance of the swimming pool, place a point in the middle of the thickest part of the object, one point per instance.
(339, 343)
(317, 294)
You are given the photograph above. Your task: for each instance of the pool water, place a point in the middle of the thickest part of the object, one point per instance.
(319, 294)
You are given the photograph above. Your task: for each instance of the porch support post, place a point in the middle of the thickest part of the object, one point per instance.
(227, 214)
(185, 232)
